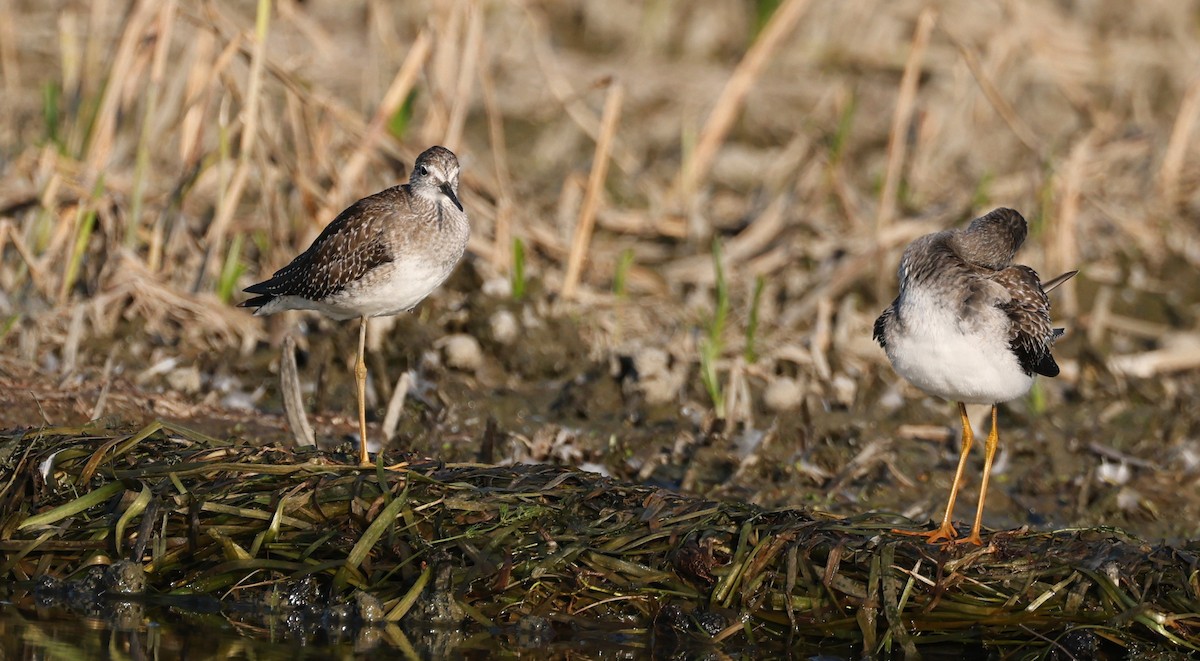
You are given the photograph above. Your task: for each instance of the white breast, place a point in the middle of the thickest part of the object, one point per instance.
(960, 362)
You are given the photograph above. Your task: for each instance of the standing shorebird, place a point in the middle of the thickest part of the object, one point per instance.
(381, 256)
(971, 327)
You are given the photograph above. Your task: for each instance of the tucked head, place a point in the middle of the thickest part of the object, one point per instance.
(436, 173)
(991, 241)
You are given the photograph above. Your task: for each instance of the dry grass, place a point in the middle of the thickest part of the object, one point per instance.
(213, 137)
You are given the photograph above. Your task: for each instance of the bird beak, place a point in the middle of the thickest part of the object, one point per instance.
(445, 188)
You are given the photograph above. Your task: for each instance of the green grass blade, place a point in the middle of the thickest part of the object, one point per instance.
(621, 275)
(399, 121)
(134, 510)
(751, 353)
(231, 269)
(518, 270)
(375, 531)
(51, 94)
(406, 602)
(716, 327)
(86, 223)
(84, 502)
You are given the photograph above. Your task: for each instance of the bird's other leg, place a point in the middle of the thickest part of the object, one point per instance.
(946, 531)
(360, 382)
(989, 452)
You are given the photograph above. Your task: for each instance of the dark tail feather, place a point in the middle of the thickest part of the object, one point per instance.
(263, 287)
(1046, 366)
(256, 302)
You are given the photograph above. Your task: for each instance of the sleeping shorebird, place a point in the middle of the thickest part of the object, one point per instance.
(381, 256)
(971, 327)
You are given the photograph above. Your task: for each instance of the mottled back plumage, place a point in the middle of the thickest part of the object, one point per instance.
(341, 254)
(1031, 336)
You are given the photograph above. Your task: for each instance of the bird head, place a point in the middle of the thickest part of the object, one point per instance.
(992, 240)
(435, 175)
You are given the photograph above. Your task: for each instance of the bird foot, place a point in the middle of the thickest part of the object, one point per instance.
(946, 534)
(973, 538)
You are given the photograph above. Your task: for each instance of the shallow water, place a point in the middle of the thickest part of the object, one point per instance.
(156, 633)
(61, 634)
(196, 628)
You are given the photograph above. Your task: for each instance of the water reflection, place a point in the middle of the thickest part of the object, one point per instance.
(132, 631)
(123, 629)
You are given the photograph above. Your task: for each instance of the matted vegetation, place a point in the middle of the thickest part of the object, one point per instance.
(553, 550)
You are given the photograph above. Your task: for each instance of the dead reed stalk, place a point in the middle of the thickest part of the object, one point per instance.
(595, 189)
(728, 106)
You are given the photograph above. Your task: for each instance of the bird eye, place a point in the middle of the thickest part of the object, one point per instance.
(424, 171)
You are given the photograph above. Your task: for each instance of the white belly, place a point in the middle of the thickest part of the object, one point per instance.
(937, 356)
(390, 289)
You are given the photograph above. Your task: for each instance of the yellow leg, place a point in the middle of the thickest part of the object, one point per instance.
(946, 531)
(360, 381)
(989, 449)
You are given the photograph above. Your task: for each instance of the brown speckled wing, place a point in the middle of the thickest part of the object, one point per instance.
(347, 249)
(1030, 332)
